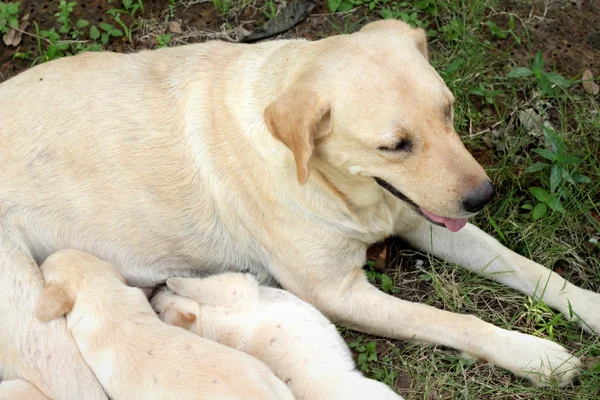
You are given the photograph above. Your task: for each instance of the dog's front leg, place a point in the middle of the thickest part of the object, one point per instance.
(44, 354)
(352, 301)
(477, 251)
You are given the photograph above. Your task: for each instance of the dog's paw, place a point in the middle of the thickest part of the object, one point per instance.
(585, 309)
(541, 361)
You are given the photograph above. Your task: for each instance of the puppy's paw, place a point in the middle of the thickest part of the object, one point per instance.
(541, 361)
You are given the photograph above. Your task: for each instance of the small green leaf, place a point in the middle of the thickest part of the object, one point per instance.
(539, 211)
(94, 33)
(362, 359)
(334, 5)
(538, 62)
(567, 176)
(554, 139)
(519, 72)
(82, 23)
(116, 32)
(536, 167)
(511, 22)
(386, 283)
(555, 204)
(345, 6)
(547, 154)
(557, 79)
(540, 194)
(386, 13)
(579, 178)
(527, 207)
(544, 83)
(13, 23)
(478, 91)
(106, 27)
(555, 177)
(371, 347)
(569, 160)
(454, 65)
(12, 8)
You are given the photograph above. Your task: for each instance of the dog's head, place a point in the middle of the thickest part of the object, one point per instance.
(65, 272)
(373, 110)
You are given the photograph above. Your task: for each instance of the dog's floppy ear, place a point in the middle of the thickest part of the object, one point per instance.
(297, 118)
(419, 35)
(55, 301)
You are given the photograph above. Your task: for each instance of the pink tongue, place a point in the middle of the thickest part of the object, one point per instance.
(453, 224)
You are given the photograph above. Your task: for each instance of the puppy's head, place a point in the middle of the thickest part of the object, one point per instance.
(64, 272)
(373, 111)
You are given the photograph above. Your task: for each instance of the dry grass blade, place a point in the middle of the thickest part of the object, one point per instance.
(588, 83)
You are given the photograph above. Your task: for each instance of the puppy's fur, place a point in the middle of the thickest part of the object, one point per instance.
(135, 355)
(20, 389)
(295, 340)
(191, 160)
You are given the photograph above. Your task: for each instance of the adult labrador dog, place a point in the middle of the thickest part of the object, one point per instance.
(286, 159)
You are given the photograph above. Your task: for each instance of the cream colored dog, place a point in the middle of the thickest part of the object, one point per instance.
(132, 353)
(285, 158)
(19, 389)
(295, 340)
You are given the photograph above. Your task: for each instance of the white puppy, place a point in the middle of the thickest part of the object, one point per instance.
(20, 389)
(135, 355)
(300, 345)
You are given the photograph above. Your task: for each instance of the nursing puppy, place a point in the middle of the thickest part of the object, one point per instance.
(132, 353)
(20, 389)
(300, 345)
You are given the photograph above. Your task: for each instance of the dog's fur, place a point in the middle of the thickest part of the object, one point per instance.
(191, 160)
(295, 340)
(20, 389)
(133, 354)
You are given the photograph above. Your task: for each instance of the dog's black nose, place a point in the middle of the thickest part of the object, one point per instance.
(479, 197)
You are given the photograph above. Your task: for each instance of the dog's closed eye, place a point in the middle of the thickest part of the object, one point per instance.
(401, 145)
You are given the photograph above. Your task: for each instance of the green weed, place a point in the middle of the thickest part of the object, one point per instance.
(9, 16)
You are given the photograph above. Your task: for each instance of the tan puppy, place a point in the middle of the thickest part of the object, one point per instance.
(20, 389)
(295, 340)
(285, 158)
(134, 354)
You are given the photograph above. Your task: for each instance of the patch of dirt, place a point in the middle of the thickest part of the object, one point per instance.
(568, 35)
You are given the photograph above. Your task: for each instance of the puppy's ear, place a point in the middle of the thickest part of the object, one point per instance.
(179, 318)
(297, 119)
(419, 35)
(55, 301)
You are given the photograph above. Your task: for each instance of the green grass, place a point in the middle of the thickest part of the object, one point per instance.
(472, 52)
